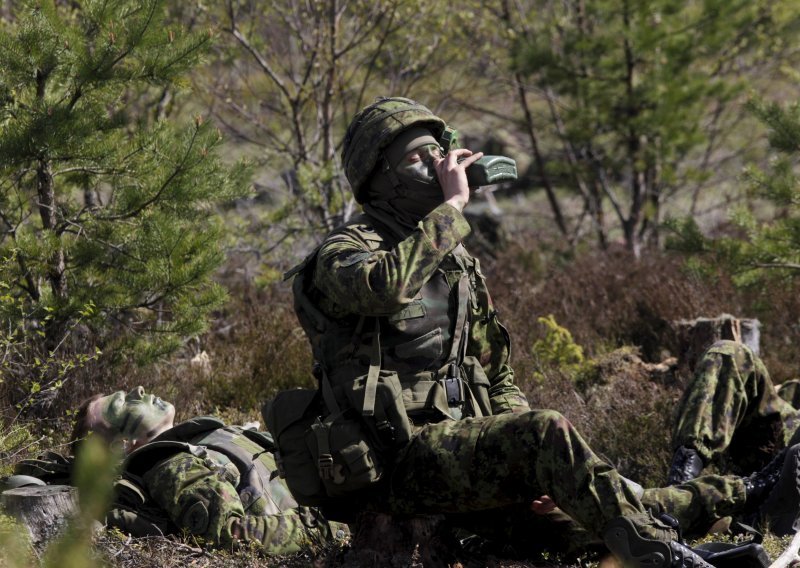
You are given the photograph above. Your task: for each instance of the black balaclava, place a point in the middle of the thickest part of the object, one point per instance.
(404, 192)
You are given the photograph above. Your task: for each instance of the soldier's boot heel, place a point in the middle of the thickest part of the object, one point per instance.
(634, 550)
(637, 551)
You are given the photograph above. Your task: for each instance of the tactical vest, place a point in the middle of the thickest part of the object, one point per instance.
(243, 457)
(424, 343)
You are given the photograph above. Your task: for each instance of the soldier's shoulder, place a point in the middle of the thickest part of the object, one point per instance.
(358, 229)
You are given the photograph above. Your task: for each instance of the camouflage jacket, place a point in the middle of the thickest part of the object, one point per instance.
(204, 478)
(427, 299)
(212, 481)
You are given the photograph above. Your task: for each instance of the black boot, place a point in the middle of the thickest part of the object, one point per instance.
(686, 465)
(635, 550)
(758, 485)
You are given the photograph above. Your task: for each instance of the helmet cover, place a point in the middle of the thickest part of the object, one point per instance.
(374, 128)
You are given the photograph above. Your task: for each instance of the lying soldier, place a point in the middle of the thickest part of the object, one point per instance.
(201, 476)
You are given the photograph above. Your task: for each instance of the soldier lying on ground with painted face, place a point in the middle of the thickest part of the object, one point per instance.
(732, 414)
(201, 476)
(418, 410)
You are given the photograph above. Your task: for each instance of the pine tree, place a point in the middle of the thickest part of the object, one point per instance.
(102, 218)
(764, 251)
(642, 95)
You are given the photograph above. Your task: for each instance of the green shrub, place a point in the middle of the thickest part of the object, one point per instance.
(556, 349)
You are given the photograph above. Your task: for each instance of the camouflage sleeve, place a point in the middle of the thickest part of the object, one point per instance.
(288, 532)
(504, 395)
(381, 282)
(199, 499)
(490, 342)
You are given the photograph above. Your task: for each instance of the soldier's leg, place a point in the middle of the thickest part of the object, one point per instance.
(731, 389)
(781, 508)
(485, 463)
(518, 532)
(699, 503)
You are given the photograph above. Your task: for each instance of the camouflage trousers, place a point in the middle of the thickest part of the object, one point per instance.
(731, 411)
(476, 468)
(517, 531)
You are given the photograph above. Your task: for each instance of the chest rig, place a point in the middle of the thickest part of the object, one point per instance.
(424, 343)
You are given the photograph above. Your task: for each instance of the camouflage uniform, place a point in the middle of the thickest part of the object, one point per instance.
(501, 453)
(731, 407)
(210, 482)
(404, 333)
(696, 505)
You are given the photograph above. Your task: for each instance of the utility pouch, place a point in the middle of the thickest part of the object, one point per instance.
(378, 398)
(289, 418)
(345, 460)
(479, 385)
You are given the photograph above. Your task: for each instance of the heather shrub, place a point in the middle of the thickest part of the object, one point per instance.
(622, 408)
(608, 299)
(260, 350)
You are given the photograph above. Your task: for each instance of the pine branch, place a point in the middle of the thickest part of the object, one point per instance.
(176, 172)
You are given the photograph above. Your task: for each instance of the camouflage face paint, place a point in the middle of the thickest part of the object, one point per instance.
(135, 415)
(417, 165)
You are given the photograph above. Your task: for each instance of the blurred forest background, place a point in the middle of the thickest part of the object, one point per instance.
(163, 163)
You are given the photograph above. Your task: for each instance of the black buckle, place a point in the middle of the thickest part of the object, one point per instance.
(386, 433)
(325, 464)
(453, 388)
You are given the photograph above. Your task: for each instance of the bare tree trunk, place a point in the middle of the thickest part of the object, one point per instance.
(56, 272)
(537, 155)
(47, 207)
(630, 224)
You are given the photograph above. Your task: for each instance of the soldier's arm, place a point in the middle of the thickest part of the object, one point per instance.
(201, 501)
(491, 344)
(380, 282)
(288, 532)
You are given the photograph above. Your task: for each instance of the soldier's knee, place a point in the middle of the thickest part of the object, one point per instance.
(730, 348)
(740, 353)
(544, 420)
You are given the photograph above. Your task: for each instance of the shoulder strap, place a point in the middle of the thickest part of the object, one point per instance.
(186, 431)
(371, 388)
(142, 459)
(461, 332)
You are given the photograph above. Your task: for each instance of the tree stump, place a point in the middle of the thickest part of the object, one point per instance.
(697, 335)
(414, 542)
(43, 509)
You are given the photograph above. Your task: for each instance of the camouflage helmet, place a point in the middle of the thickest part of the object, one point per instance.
(373, 129)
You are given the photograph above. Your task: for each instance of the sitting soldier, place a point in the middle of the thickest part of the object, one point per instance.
(420, 412)
(201, 476)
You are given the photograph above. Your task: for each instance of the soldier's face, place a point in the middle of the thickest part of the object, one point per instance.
(136, 416)
(418, 164)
